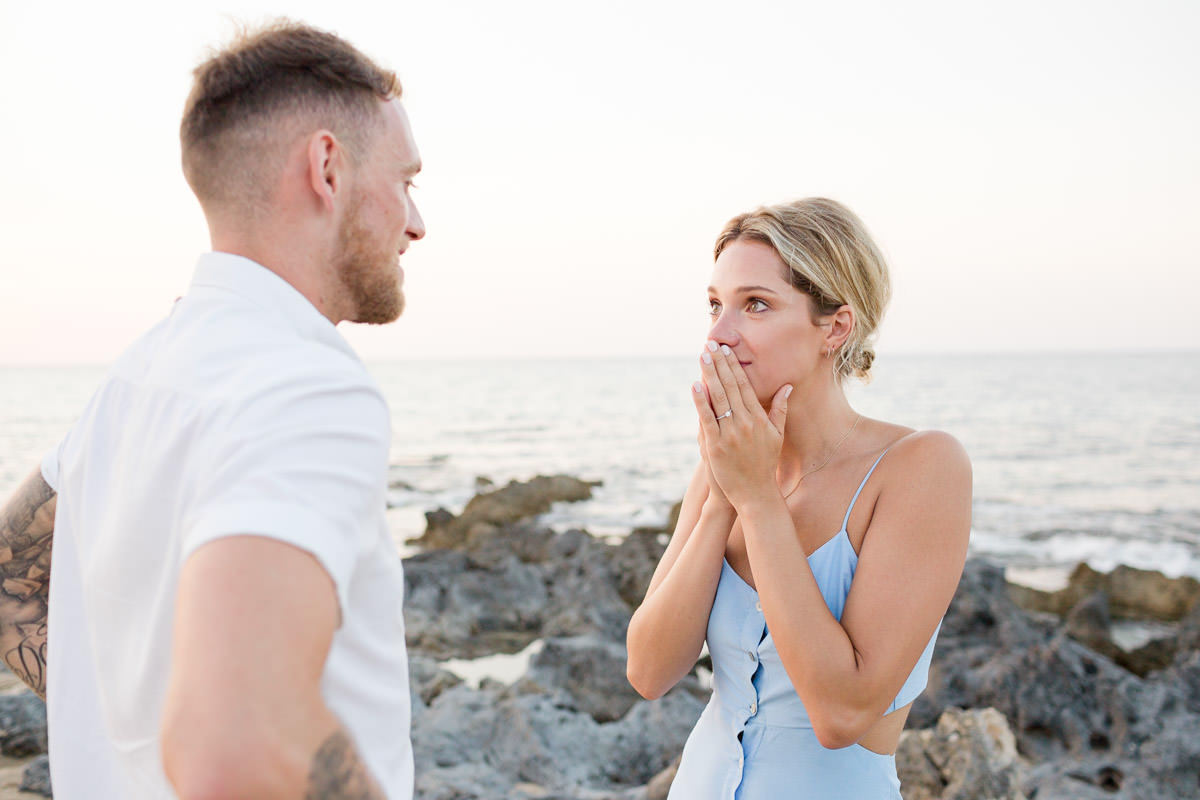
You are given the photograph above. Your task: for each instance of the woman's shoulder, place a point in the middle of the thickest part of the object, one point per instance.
(925, 450)
(924, 483)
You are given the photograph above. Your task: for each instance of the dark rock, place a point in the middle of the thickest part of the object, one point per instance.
(22, 724)
(1154, 655)
(1070, 781)
(454, 607)
(1087, 718)
(1053, 694)
(981, 625)
(428, 679)
(591, 670)
(1147, 594)
(522, 583)
(1132, 593)
(1188, 637)
(1185, 673)
(1089, 623)
(482, 743)
(1075, 713)
(541, 739)
(583, 591)
(488, 545)
(464, 781)
(438, 518)
(512, 503)
(455, 728)
(36, 777)
(634, 562)
(650, 737)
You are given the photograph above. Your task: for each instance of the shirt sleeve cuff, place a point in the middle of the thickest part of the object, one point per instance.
(285, 523)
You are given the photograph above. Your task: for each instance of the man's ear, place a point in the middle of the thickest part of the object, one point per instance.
(326, 163)
(841, 325)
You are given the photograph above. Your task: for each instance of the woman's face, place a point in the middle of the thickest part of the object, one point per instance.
(765, 321)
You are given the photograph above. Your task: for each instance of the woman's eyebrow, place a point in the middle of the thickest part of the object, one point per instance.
(747, 290)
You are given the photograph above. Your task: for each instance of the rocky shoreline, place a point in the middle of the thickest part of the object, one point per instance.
(1030, 695)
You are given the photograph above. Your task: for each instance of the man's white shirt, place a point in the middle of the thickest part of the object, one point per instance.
(243, 412)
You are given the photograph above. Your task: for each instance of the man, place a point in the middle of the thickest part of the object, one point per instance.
(224, 618)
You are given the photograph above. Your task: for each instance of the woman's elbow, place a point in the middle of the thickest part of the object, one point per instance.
(834, 738)
(642, 669)
(643, 681)
(838, 728)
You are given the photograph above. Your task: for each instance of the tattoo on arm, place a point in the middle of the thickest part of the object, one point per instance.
(26, 537)
(338, 772)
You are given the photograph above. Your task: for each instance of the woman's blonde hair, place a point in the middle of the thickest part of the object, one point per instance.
(832, 259)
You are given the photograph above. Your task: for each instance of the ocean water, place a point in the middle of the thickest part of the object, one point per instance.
(1076, 458)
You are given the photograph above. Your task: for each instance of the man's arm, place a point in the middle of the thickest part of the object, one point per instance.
(26, 536)
(244, 716)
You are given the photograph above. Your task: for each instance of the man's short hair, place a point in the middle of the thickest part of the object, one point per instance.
(266, 86)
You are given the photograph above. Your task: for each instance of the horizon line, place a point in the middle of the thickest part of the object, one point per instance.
(474, 358)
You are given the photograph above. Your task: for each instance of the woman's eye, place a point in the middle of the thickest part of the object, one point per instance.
(714, 308)
(756, 305)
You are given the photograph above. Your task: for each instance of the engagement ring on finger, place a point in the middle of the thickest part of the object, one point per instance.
(728, 413)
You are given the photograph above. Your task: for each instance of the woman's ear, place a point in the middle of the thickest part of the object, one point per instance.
(841, 325)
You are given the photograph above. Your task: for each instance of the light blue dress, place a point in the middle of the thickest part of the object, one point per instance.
(754, 740)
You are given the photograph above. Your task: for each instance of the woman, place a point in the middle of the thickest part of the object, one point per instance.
(816, 550)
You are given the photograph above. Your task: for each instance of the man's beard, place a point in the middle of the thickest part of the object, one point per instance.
(371, 277)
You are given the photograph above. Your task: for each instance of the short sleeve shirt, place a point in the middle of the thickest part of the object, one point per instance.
(243, 412)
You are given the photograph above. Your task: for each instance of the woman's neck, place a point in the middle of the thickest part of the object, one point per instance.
(818, 421)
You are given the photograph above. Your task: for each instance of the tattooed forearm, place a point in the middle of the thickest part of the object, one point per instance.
(338, 772)
(26, 536)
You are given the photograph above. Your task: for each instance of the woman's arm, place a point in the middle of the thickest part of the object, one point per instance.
(848, 673)
(667, 631)
(912, 557)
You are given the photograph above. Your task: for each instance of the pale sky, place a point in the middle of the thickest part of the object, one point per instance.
(1031, 169)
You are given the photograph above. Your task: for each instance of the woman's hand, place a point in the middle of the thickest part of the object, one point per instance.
(715, 500)
(739, 441)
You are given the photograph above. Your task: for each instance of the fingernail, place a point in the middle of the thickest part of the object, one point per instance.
(725, 349)
(787, 393)
(697, 387)
(706, 358)
(712, 346)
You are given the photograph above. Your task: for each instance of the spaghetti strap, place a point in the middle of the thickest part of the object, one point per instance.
(853, 500)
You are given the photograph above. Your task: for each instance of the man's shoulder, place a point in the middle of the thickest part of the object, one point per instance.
(224, 349)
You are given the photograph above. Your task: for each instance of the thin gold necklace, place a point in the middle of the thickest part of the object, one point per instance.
(828, 458)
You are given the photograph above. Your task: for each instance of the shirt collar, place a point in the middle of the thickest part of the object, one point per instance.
(253, 282)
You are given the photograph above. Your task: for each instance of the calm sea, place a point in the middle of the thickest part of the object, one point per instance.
(1077, 458)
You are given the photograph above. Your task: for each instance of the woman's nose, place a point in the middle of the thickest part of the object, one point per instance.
(723, 331)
